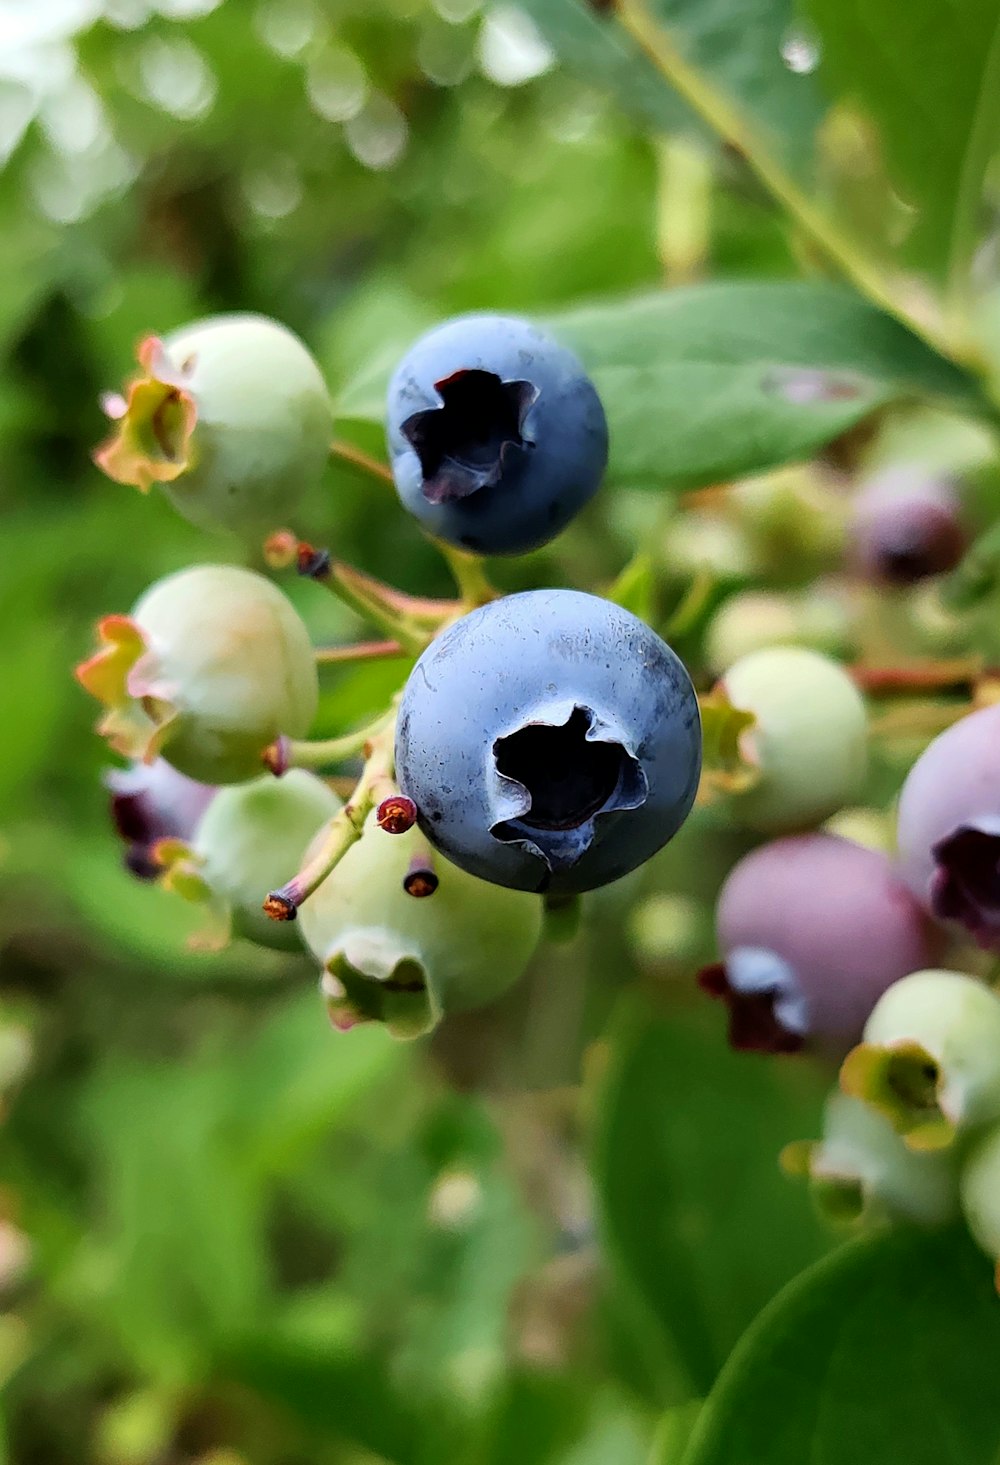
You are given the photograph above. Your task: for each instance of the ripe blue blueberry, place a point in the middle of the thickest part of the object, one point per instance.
(550, 741)
(496, 434)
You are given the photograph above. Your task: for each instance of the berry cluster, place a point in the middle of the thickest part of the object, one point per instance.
(544, 744)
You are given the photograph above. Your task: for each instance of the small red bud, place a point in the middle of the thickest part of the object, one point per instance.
(420, 880)
(396, 814)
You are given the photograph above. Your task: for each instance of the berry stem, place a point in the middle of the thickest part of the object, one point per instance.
(359, 651)
(409, 620)
(344, 830)
(323, 753)
(348, 453)
(470, 577)
(956, 675)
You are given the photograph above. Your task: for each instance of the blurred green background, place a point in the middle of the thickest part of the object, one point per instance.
(227, 1235)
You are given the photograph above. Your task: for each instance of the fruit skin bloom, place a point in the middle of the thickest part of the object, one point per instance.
(930, 1059)
(231, 416)
(550, 741)
(496, 435)
(211, 666)
(391, 957)
(812, 931)
(808, 742)
(949, 827)
(905, 526)
(252, 837)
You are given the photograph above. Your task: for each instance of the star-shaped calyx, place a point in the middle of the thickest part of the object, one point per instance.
(466, 443)
(124, 676)
(555, 779)
(155, 422)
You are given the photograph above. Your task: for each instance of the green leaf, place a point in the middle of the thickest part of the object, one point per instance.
(736, 47)
(714, 381)
(928, 75)
(700, 1226)
(885, 1352)
(735, 377)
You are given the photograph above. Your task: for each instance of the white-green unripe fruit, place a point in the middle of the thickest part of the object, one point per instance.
(930, 1057)
(232, 418)
(980, 1185)
(251, 838)
(861, 1167)
(406, 961)
(808, 741)
(213, 664)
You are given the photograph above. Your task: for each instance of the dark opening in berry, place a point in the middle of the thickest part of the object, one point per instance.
(566, 777)
(762, 1019)
(462, 445)
(966, 883)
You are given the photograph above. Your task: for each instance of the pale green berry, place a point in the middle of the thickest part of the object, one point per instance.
(981, 1193)
(930, 1057)
(253, 837)
(754, 619)
(213, 664)
(862, 1168)
(405, 960)
(808, 741)
(231, 417)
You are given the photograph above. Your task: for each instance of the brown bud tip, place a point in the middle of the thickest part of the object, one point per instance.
(280, 907)
(275, 756)
(420, 880)
(396, 814)
(281, 549)
(313, 563)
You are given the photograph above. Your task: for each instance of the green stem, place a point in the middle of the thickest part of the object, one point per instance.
(469, 574)
(725, 120)
(343, 831)
(327, 752)
(359, 651)
(409, 620)
(348, 453)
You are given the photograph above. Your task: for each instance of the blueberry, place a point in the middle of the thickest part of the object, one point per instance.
(150, 802)
(497, 436)
(812, 931)
(550, 740)
(949, 827)
(905, 525)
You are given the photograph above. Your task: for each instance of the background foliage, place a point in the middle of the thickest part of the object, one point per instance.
(228, 1236)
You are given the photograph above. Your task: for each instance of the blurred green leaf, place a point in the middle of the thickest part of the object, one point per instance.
(929, 77)
(887, 1351)
(700, 1225)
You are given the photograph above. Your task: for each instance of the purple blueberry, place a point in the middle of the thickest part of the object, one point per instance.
(496, 434)
(949, 827)
(550, 741)
(812, 931)
(150, 802)
(905, 525)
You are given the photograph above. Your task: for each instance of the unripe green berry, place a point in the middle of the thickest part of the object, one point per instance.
(232, 417)
(751, 620)
(404, 960)
(212, 665)
(980, 1185)
(808, 741)
(930, 1059)
(862, 1169)
(252, 838)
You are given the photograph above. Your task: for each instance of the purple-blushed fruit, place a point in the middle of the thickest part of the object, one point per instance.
(980, 1188)
(930, 1058)
(231, 416)
(497, 436)
(861, 1169)
(808, 742)
(150, 802)
(249, 838)
(406, 954)
(550, 741)
(212, 665)
(905, 525)
(812, 930)
(949, 827)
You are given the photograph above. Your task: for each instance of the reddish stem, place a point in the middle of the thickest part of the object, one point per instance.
(959, 675)
(359, 651)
